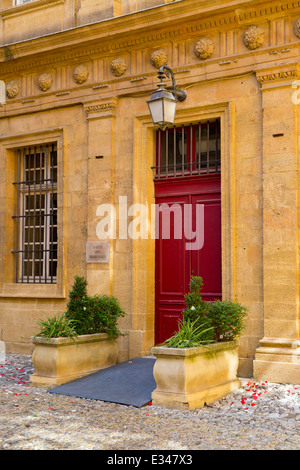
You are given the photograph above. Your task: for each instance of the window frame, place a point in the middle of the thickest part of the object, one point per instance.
(9, 144)
(39, 163)
(186, 140)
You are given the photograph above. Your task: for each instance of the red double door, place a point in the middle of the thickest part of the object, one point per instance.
(178, 256)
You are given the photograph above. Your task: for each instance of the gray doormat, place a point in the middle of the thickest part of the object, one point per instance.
(127, 383)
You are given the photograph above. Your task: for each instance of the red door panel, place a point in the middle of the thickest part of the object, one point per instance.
(174, 262)
(207, 261)
(172, 267)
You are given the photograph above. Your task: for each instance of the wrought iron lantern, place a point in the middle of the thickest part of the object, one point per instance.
(162, 103)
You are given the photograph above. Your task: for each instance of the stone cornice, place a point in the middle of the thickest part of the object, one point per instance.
(175, 20)
(94, 58)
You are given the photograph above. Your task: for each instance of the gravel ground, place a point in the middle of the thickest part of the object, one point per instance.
(258, 416)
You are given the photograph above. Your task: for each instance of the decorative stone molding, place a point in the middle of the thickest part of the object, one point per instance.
(45, 81)
(40, 56)
(282, 75)
(204, 48)
(118, 66)
(159, 58)
(81, 74)
(101, 108)
(12, 89)
(254, 37)
(297, 28)
(267, 77)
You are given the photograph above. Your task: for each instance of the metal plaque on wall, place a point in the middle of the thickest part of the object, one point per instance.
(97, 252)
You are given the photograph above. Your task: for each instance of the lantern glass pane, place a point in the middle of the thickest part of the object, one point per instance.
(156, 110)
(169, 111)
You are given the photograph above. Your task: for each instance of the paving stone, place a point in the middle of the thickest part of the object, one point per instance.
(258, 416)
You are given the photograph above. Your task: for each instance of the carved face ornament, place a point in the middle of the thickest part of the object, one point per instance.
(254, 37)
(118, 66)
(204, 48)
(12, 89)
(81, 74)
(45, 81)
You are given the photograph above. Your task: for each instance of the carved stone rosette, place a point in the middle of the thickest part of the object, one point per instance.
(81, 74)
(12, 89)
(159, 58)
(254, 37)
(204, 48)
(118, 66)
(45, 81)
(297, 28)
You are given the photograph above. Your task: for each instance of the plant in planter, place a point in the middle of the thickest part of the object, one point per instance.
(78, 343)
(225, 317)
(198, 364)
(96, 314)
(190, 335)
(60, 327)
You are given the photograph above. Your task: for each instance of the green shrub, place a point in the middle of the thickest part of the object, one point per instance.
(218, 320)
(93, 314)
(196, 308)
(77, 307)
(227, 319)
(103, 313)
(84, 315)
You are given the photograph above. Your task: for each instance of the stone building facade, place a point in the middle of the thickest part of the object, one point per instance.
(78, 75)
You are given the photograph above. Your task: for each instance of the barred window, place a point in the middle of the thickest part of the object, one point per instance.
(36, 218)
(188, 150)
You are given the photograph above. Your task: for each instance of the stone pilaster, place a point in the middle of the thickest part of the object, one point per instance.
(100, 183)
(278, 356)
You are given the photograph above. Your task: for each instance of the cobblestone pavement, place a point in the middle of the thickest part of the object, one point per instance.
(258, 416)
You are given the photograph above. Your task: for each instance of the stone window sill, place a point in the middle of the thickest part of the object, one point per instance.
(37, 291)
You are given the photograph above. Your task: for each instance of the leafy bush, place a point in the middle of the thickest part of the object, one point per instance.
(216, 321)
(196, 308)
(227, 319)
(85, 315)
(77, 305)
(57, 327)
(93, 314)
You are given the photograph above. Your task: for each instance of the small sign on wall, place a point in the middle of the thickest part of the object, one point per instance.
(97, 252)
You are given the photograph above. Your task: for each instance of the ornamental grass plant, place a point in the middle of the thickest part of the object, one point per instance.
(57, 327)
(190, 335)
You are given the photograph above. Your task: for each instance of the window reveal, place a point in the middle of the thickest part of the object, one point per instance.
(36, 218)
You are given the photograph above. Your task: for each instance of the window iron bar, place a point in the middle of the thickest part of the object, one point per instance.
(36, 217)
(198, 147)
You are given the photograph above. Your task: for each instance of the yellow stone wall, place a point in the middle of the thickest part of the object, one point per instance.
(237, 61)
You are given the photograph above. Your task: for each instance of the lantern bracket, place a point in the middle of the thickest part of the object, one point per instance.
(166, 71)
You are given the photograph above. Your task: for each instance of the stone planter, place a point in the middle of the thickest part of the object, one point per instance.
(190, 378)
(60, 360)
